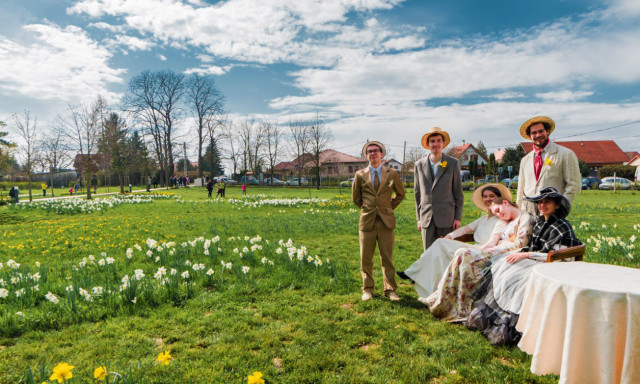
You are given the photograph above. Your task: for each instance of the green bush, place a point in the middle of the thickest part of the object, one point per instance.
(467, 185)
(22, 185)
(624, 171)
(513, 185)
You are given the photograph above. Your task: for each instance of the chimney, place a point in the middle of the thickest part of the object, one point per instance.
(582, 143)
(462, 142)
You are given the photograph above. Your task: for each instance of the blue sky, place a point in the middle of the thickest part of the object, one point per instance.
(373, 69)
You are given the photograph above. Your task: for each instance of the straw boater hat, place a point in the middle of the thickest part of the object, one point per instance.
(538, 119)
(373, 142)
(553, 193)
(477, 195)
(434, 131)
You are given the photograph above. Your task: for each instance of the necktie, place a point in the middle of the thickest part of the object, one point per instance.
(376, 184)
(537, 163)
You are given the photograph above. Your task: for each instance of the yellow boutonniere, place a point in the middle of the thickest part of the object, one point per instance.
(443, 164)
(548, 161)
(391, 183)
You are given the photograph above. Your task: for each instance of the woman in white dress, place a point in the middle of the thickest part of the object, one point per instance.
(427, 271)
(452, 300)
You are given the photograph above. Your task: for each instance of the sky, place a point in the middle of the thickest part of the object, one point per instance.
(385, 70)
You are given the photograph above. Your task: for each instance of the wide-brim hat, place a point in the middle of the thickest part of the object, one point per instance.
(435, 131)
(373, 142)
(535, 120)
(477, 195)
(553, 193)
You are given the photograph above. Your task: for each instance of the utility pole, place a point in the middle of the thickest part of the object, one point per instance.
(404, 153)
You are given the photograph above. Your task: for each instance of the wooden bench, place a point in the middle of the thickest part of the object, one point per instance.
(576, 252)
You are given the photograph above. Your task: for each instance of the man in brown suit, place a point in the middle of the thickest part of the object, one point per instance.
(373, 192)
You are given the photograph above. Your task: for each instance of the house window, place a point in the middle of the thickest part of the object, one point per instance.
(474, 157)
(351, 169)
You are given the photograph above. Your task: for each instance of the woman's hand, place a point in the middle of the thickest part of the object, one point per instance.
(447, 237)
(515, 257)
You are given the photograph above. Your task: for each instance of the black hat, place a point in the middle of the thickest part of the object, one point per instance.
(553, 193)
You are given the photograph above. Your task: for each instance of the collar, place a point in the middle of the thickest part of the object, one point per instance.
(538, 151)
(379, 169)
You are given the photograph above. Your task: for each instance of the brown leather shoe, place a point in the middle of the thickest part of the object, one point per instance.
(366, 296)
(393, 296)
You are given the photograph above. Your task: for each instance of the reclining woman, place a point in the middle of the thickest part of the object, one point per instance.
(501, 294)
(427, 271)
(452, 300)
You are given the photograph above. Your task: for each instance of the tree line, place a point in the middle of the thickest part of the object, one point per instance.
(145, 134)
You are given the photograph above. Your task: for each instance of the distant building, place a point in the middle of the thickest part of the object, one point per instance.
(596, 154)
(393, 163)
(499, 154)
(632, 155)
(635, 161)
(466, 153)
(333, 164)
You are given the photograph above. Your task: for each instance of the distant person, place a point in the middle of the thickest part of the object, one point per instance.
(438, 189)
(547, 165)
(94, 183)
(71, 190)
(76, 187)
(44, 189)
(14, 193)
(244, 189)
(210, 187)
(223, 188)
(148, 183)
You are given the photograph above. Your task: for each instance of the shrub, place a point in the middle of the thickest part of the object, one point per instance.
(513, 185)
(624, 171)
(467, 185)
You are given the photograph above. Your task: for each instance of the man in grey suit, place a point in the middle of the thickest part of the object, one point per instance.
(438, 189)
(547, 165)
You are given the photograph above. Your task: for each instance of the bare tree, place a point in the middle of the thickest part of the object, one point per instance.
(413, 154)
(27, 129)
(55, 152)
(319, 138)
(272, 137)
(154, 100)
(5, 146)
(83, 125)
(299, 143)
(233, 148)
(206, 103)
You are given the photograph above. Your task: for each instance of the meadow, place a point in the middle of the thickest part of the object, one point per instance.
(269, 283)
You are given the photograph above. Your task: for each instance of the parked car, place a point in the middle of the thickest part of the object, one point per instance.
(228, 180)
(590, 182)
(608, 183)
(249, 180)
(506, 182)
(297, 182)
(347, 183)
(480, 182)
(276, 181)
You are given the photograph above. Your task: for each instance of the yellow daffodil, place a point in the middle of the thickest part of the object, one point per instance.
(256, 378)
(62, 372)
(100, 373)
(164, 357)
(443, 164)
(548, 162)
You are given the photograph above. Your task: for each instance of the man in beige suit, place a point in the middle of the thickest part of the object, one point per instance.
(438, 189)
(547, 165)
(373, 192)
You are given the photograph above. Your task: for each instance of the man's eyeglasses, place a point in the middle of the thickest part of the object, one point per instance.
(372, 151)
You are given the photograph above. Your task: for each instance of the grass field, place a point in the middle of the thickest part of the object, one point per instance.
(272, 285)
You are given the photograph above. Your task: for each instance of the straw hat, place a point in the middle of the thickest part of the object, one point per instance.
(477, 195)
(538, 119)
(373, 142)
(553, 193)
(434, 131)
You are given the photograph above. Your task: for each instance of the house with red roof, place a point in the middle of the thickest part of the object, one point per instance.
(466, 153)
(596, 153)
(333, 164)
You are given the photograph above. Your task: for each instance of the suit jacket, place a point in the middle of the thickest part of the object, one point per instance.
(439, 199)
(560, 169)
(381, 203)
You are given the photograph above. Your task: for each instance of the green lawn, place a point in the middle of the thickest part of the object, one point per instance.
(296, 321)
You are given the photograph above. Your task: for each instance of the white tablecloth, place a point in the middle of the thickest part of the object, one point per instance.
(582, 321)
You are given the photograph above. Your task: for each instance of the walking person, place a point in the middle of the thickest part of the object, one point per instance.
(377, 191)
(244, 189)
(210, 187)
(44, 189)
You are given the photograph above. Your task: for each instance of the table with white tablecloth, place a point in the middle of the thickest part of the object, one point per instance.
(582, 321)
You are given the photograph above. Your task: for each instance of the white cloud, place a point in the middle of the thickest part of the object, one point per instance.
(131, 43)
(57, 63)
(107, 26)
(209, 70)
(563, 96)
(162, 57)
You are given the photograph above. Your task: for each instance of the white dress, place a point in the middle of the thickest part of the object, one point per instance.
(427, 271)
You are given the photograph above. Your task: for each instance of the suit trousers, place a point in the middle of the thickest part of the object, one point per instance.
(433, 233)
(384, 237)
